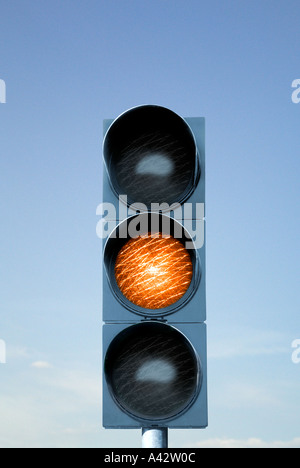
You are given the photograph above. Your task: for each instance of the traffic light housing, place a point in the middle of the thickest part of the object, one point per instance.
(154, 293)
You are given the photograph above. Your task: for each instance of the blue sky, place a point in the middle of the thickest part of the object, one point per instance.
(69, 65)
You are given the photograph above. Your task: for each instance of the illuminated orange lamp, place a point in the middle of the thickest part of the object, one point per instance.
(153, 272)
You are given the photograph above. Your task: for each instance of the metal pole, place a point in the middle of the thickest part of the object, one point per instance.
(155, 437)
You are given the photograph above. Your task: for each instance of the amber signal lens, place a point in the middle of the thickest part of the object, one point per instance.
(153, 271)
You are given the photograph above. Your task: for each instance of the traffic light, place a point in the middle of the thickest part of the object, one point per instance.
(154, 301)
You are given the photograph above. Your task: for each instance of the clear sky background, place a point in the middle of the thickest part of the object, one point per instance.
(67, 66)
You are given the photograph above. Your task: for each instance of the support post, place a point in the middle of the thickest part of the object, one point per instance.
(155, 437)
